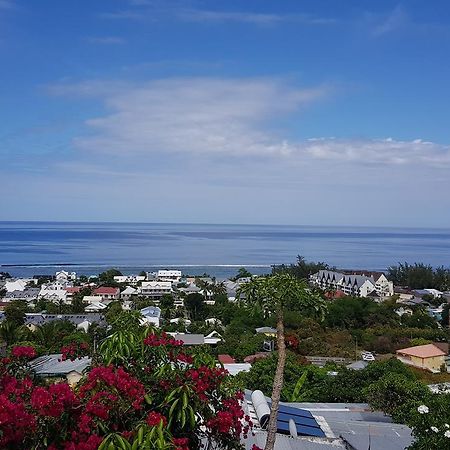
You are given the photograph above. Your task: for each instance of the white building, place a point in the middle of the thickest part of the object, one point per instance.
(156, 289)
(359, 284)
(18, 285)
(129, 279)
(65, 277)
(151, 315)
(168, 275)
(55, 292)
(129, 292)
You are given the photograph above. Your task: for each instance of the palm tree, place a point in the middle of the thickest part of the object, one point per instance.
(274, 295)
(11, 333)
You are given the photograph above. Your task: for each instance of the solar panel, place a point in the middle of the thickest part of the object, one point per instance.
(305, 422)
(283, 427)
(295, 411)
(309, 421)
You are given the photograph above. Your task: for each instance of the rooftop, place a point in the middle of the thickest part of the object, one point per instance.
(52, 365)
(423, 351)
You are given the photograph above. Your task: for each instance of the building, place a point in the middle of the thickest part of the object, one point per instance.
(156, 289)
(52, 366)
(107, 293)
(168, 275)
(33, 320)
(323, 426)
(374, 284)
(65, 277)
(18, 285)
(55, 292)
(212, 338)
(430, 357)
(71, 291)
(129, 292)
(129, 279)
(151, 315)
(30, 295)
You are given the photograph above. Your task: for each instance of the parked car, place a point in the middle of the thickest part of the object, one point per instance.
(367, 356)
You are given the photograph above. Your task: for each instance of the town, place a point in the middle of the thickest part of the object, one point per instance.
(381, 333)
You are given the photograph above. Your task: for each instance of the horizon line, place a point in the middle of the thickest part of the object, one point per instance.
(218, 224)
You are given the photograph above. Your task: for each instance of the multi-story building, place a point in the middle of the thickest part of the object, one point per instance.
(156, 289)
(357, 283)
(168, 275)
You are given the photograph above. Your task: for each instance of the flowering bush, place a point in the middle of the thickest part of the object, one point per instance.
(74, 350)
(27, 352)
(431, 423)
(144, 391)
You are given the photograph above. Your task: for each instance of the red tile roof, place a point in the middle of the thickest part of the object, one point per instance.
(422, 351)
(105, 290)
(226, 359)
(73, 289)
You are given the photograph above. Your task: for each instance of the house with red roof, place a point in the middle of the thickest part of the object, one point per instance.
(107, 293)
(429, 357)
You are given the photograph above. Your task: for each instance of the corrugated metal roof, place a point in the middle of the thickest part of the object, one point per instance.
(52, 365)
(288, 443)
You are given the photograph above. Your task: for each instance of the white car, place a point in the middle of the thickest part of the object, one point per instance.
(367, 356)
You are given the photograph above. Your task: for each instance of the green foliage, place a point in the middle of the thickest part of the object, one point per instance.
(431, 429)
(445, 315)
(107, 277)
(395, 394)
(419, 319)
(420, 341)
(11, 333)
(281, 292)
(296, 395)
(52, 335)
(113, 311)
(126, 320)
(242, 273)
(317, 386)
(15, 312)
(301, 269)
(420, 276)
(357, 312)
(146, 437)
(242, 345)
(195, 305)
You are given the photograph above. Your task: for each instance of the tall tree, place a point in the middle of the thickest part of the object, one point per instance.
(275, 295)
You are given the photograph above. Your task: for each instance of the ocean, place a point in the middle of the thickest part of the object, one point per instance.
(28, 248)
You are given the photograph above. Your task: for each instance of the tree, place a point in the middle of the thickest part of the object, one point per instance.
(242, 273)
(445, 322)
(77, 305)
(196, 306)
(394, 394)
(274, 295)
(107, 277)
(302, 269)
(15, 312)
(113, 311)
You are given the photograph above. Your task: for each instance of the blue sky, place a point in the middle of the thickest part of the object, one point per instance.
(290, 112)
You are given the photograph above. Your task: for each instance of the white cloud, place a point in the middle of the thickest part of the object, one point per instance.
(201, 115)
(395, 20)
(379, 151)
(198, 15)
(6, 5)
(106, 40)
(211, 117)
(154, 10)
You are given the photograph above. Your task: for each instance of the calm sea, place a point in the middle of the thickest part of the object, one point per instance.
(28, 248)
